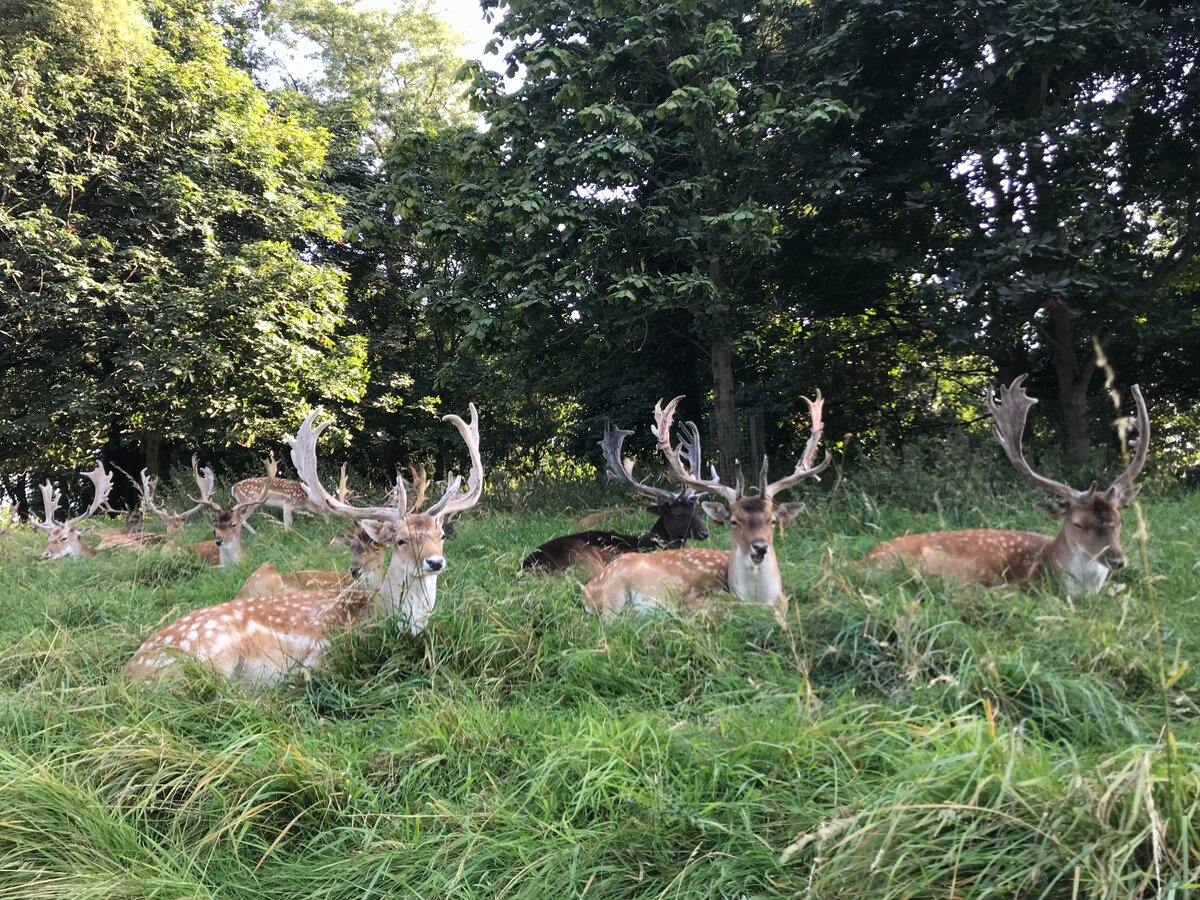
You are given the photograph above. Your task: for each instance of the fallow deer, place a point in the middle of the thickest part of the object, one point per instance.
(281, 493)
(1086, 548)
(366, 570)
(261, 639)
(65, 539)
(225, 549)
(750, 571)
(679, 518)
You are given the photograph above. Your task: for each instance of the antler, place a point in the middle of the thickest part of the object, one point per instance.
(1123, 487)
(102, 482)
(662, 431)
(204, 483)
(621, 469)
(1009, 428)
(804, 468)
(50, 500)
(304, 458)
(455, 500)
(271, 464)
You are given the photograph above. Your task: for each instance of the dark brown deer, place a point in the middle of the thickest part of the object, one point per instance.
(679, 517)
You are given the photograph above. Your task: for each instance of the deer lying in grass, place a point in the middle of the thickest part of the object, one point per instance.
(750, 571)
(262, 639)
(64, 539)
(678, 521)
(1086, 548)
(281, 493)
(366, 570)
(225, 549)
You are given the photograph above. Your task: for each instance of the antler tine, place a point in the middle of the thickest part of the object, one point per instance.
(398, 495)
(805, 468)
(51, 496)
(343, 493)
(420, 481)
(662, 430)
(1009, 417)
(271, 464)
(1124, 484)
(689, 448)
(621, 469)
(102, 482)
(205, 479)
(149, 487)
(455, 500)
(304, 458)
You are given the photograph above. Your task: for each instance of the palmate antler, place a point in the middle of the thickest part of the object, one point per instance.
(455, 500)
(620, 469)
(1010, 414)
(804, 468)
(204, 483)
(102, 482)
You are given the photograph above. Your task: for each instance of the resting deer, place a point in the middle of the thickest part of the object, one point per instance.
(366, 563)
(65, 539)
(225, 549)
(281, 493)
(1086, 548)
(366, 570)
(679, 518)
(749, 571)
(261, 639)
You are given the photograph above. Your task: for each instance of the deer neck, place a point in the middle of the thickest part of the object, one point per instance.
(409, 590)
(229, 553)
(1080, 572)
(756, 582)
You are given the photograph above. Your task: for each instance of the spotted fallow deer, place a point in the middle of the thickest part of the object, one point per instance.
(281, 493)
(64, 539)
(225, 549)
(262, 639)
(366, 570)
(1086, 548)
(750, 571)
(679, 518)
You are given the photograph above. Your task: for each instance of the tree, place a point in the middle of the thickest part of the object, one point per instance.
(1038, 162)
(628, 188)
(156, 225)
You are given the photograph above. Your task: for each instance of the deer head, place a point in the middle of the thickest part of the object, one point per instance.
(1091, 519)
(751, 517)
(174, 521)
(65, 539)
(679, 518)
(415, 538)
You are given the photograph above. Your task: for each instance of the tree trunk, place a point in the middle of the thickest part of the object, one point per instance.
(153, 444)
(1073, 381)
(724, 409)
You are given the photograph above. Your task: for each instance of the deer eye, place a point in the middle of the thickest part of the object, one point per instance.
(400, 542)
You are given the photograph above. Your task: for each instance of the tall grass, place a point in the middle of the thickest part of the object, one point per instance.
(899, 738)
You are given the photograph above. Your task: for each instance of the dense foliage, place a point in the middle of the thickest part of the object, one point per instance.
(214, 215)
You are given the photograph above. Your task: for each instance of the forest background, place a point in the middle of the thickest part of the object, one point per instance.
(217, 215)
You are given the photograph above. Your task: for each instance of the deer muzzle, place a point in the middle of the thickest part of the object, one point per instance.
(759, 550)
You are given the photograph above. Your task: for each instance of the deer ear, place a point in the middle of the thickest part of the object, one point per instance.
(785, 512)
(1120, 496)
(716, 511)
(81, 532)
(657, 508)
(379, 531)
(346, 539)
(1054, 509)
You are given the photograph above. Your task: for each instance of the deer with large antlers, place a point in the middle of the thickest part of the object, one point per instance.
(749, 570)
(679, 518)
(281, 493)
(261, 639)
(225, 548)
(64, 539)
(1086, 548)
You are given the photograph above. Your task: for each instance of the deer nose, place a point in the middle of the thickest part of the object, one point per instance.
(435, 563)
(217, 541)
(702, 534)
(1117, 561)
(758, 549)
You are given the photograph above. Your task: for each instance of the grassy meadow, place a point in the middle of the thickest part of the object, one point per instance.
(897, 739)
